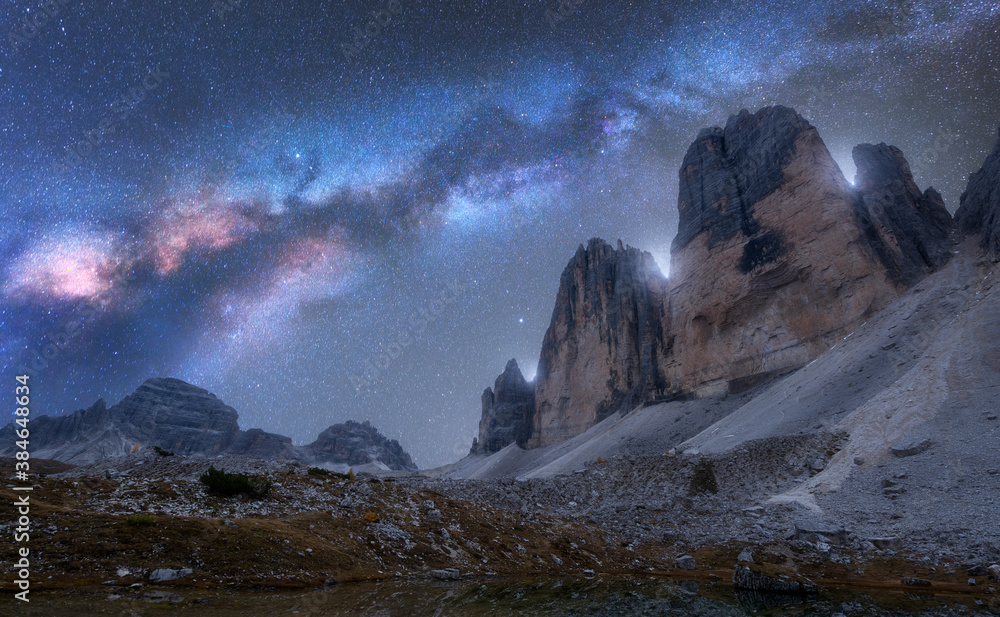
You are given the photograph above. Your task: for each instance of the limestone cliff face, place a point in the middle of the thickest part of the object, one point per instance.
(907, 230)
(508, 412)
(979, 212)
(605, 341)
(777, 256)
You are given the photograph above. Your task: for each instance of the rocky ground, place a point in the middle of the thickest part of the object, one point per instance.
(683, 515)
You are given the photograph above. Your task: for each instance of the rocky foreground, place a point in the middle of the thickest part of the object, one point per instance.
(128, 523)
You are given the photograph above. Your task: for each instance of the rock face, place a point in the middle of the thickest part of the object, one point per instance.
(979, 209)
(907, 230)
(168, 413)
(184, 419)
(353, 443)
(776, 256)
(605, 341)
(508, 412)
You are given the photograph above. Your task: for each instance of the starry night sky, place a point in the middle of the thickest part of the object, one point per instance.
(324, 211)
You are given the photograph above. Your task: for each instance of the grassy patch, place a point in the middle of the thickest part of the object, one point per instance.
(140, 520)
(230, 484)
(161, 451)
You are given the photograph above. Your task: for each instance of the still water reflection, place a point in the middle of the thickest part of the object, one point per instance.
(508, 597)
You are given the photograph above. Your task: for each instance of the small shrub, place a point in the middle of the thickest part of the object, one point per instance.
(318, 471)
(371, 517)
(230, 484)
(140, 520)
(350, 475)
(600, 460)
(703, 480)
(161, 451)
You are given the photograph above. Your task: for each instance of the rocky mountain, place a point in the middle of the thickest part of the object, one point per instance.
(187, 420)
(979, 209)
(776, 258)
(604, 343)
(355, 444)
(508, 412)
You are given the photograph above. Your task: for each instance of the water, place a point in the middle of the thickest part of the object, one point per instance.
(505, 597)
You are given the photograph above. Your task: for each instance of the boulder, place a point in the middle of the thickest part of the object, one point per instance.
(163, 575)
(910, 447)
(685, 562)
(749, 579)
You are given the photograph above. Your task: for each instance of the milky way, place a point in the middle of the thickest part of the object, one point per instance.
(360, 210)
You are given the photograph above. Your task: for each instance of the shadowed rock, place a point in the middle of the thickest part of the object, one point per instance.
(354, 443)
(187, 420)
(979, 209)
(908, 230)
(508, 412)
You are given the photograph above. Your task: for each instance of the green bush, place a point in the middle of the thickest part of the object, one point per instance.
(230, 484)
(161, 451)
(140, 520)
(319, 471)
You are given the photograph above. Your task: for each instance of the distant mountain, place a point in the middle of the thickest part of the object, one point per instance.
(187, 420)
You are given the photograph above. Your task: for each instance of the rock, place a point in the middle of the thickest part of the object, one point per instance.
(685, 562)
(556, 559)
(346, 503)
(428, 505)
(605, 342)
(508, 412)
(448, 574)
(445, 534)
(750, 580)
(908, 230)
(768, 227)
(434, 516)
(915, 582)
(163, 575)
(994, 571)
(972, 582)
(190, 421)
(886, 544)
(911, 447)
(352, 443)
(745, 556)
(859, 460)
(979, 209)
(977, 571)
(229, 523)
(166, 412)
(814, 531)
(256, 442)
